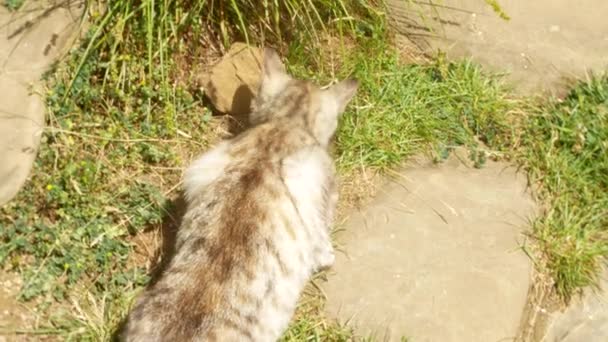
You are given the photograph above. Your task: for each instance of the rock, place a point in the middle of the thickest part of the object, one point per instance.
(232, 83)
(435, 256)
(30, 41)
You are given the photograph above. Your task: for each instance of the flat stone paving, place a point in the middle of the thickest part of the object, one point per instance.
(544, 45)
(436, 257)
(585, 320)
(30, 40)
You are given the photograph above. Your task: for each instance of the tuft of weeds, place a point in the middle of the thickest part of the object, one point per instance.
(564, 146)
(309, 323)
(13, 5)
(407, 109)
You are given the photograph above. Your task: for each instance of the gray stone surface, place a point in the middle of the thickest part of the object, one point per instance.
(545, 43)
(30, 40)
(585, 320)
(435, 256)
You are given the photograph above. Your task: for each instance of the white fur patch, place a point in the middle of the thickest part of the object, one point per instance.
(206, 169)
(305, 178)
(327, 118)
(274, 84)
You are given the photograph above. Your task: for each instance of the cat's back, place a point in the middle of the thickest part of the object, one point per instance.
(234, 273)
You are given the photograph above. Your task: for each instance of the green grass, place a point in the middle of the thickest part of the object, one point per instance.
(13, 5)
(125, 117)
(564, 146)
(404, 110)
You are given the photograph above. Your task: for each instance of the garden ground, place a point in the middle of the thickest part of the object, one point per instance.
(81, 237)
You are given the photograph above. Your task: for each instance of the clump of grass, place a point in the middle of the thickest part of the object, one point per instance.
(565, 148)
(153, 33)
(13, 5)
(309, 323)
(406, 109)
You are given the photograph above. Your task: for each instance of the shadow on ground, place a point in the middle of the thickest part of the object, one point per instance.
(172, 220)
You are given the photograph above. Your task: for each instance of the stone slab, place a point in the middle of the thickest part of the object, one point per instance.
(30, 40)
(436, 257)
(585, 320)
(544, 45)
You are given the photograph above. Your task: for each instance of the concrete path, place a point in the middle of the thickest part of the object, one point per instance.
(30, 40)
(435, 256)
(546, 42)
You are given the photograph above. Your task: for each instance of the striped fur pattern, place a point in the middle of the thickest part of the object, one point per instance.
(257, 226)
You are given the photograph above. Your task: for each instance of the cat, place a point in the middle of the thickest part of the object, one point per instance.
(257, 224)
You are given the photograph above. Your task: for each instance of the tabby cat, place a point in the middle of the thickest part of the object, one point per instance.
(260, 207)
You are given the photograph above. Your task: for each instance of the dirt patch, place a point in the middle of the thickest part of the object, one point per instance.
(14, 316)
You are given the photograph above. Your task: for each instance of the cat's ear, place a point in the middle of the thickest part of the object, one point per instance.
(272, 63)
(333, 103)
(342, 93)
(274, 78)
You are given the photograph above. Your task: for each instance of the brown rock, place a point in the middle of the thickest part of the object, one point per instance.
(233, 82)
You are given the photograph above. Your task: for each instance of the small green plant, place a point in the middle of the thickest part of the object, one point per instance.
(13, 5)
(498, 9)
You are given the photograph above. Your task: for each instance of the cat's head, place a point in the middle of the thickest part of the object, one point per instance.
(280, 96)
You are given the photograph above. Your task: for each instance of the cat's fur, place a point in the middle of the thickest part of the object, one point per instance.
(257, 225)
